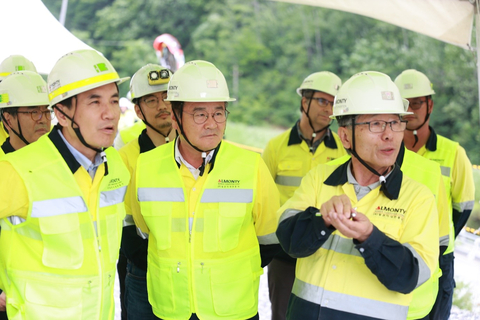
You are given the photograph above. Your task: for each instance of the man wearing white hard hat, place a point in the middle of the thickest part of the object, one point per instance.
(365, 235)
(12, 64)
(208, 207)
(457, 173)
(24, 111)
(290, 156)
(62, 204)
(148, 88)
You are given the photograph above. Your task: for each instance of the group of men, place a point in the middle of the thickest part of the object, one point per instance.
(350, 224)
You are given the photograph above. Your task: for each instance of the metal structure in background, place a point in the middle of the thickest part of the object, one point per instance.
(169, 51)
(449, 21)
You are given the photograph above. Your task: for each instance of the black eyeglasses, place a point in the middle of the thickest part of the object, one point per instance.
(378, 126)
(37, 115)
(200, 117)
(323, 102)
(416, 105)
(152, 102)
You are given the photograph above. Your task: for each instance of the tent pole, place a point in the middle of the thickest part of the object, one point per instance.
(63, 12)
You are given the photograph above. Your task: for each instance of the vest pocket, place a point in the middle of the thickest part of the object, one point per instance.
(62, 241)
(160, 286)
(233, 288)
(157, 216)
(48, 301)
(222, 227)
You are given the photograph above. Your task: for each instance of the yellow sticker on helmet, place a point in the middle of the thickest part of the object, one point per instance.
(4, 98)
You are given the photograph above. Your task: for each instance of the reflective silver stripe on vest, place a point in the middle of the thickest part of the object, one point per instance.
(14, 220)
(445, 240)
(161, 194)
(27, 231)
(288, 181)
(423, 271)
(445, 171)
(112, 197)
(462, 206)
(341, 245)
(55, 207)
(288, 213)
(178, 224)
(348, 303)
(268, 239)
(227, 195)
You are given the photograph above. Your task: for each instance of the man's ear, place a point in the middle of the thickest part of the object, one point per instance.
(62, 120)
(430, 105)
(345, 136)
(8, 120)
(138, 112)
(304, 105)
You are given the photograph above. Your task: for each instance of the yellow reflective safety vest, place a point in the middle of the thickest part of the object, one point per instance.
(209, 264)
(132, 132)
(59, 262)
(288, 158)
(336, 276)
(457, 175)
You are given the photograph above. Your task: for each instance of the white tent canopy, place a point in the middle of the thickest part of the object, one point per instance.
(29, 29)
(450, 21)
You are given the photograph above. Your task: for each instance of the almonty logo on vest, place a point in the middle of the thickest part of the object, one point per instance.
(389, 212)
(227, 183)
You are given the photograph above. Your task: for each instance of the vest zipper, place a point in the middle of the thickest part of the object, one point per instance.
(178, 267)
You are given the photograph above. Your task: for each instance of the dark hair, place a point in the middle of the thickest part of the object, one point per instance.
(308, 93)
(344, 121)
(12, 111)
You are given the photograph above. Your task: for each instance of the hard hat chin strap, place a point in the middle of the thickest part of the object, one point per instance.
(18, 134)
(381, 177)
(80, 136)
(314, 133)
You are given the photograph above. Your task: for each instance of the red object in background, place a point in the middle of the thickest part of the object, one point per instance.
(169, 51)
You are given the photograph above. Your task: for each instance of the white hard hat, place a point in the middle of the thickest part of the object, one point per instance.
(15, 63)
(80, 71)
(23, 89)
(323, 81)
(149, 79)
(369, 92)
(198, 81)
(414, 84)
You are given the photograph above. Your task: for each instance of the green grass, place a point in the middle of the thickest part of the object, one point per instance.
(249, 135)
